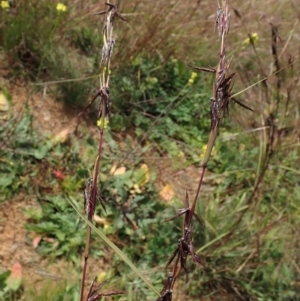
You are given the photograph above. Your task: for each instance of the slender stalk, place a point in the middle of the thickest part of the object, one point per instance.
(219, 103)
(222, 24)
(85, 260)
(92, 186)
(210, 145)
(93, 201)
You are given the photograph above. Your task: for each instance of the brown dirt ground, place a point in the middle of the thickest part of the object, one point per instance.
(16, 247)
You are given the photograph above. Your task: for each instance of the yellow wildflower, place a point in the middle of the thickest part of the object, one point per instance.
(109, 71)
(61, 7)
(192, 78)
(203, 151)
(254, 38)
(101, 277)
(100, 125)
(4, 4)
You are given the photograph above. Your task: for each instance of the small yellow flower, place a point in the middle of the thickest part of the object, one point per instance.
(109, 71)
(4, 4)
(254, 38)
(100, 125)
(61, 7)
(192, 78)
(203, 151)
(204, 147)
(101, 277)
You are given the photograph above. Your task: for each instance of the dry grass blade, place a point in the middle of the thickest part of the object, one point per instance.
(242, 105)
(94, 293)
(204, 69)
(188, 212)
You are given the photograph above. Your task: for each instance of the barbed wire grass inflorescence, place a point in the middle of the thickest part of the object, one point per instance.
(221, 95)
(92, 189)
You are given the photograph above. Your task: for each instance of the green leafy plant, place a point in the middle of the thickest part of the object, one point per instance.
(161, 101)
(59, 228)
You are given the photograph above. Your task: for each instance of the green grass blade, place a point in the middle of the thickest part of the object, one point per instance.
(289, 169)
(212, 242)
(121, 254)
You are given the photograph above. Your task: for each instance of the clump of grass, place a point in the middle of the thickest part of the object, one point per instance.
(256, 225)
(24, 47)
